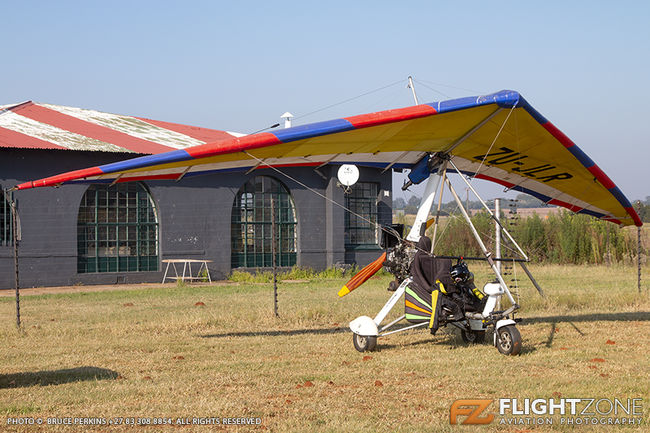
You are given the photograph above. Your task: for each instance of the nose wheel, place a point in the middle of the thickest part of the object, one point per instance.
(364, 343)
(509, 340)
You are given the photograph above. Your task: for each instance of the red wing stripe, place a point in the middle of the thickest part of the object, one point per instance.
(60, 178)
(494, 179)
(569, 206)
(634, 215)
(559, 135)
(601, 176)
(204, 134)
(247, 142)
(89, 129)
(372, 119)
(10, 138)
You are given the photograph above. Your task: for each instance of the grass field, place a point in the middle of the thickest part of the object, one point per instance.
(218, 351)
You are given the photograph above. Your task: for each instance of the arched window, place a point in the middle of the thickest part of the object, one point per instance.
(6, 222)
(117, 229)
(251, 224)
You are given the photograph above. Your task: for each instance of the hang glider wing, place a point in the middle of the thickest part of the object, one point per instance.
(529, 153)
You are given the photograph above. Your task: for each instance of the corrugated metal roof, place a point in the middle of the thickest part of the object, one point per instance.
(45, 126)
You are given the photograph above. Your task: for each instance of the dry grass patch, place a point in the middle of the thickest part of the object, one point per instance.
(218, 351)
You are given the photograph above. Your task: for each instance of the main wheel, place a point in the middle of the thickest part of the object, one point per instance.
(473, 337)
(364, 344)
(509, 340)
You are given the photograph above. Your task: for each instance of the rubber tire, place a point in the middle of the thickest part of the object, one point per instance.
(364, 344)
(473, 337)
(509, 340)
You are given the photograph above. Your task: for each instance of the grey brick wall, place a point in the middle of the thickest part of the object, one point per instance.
(194, 218)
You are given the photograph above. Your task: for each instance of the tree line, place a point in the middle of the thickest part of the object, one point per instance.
(410, 206)
(522, 201)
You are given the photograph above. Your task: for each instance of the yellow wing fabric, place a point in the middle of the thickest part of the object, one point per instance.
(530, 154)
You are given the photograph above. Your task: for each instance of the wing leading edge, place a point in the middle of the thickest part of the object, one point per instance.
(499, 137)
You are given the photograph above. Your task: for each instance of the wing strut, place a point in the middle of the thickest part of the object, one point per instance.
(189, 167)
(328, 161)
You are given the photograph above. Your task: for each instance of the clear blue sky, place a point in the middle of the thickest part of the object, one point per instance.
(240, 65)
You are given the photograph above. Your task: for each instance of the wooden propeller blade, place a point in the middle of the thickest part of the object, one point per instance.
(363, 275)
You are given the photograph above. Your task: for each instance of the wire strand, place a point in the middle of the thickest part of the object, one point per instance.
(494, 141)
(262, 163)
(431, 88)
(348, 100)
(420, 81)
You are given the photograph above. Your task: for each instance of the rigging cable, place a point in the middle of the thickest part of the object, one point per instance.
(348, 100)
(420, 81)
(494, 141)
(431, 88)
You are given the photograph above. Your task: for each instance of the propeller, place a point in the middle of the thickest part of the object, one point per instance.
(363, 275)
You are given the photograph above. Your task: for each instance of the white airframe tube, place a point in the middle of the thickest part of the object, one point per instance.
(391, 302)
(427, 202)
(435, 226)
(523, 254)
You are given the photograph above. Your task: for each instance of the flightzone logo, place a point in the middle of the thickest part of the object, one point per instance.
(472, 410)
(541, 411)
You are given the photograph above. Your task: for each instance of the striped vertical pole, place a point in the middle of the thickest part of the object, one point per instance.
(497, 228)
(497, 239)
(638, 249)
(638, 256)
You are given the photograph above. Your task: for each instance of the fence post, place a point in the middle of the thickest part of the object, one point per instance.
(14, 238)
(273, 259)
(638, 256)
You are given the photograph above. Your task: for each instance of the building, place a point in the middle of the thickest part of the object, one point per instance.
(120, 233)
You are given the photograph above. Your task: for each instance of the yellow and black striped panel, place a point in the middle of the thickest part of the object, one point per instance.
(416, 308)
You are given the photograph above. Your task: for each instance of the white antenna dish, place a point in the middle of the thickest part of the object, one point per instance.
(348, 174)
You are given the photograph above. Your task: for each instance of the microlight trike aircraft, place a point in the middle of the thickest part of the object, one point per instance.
(498, 137)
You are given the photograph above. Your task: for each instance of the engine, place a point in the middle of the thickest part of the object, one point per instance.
(399, 253)
(399, 259)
